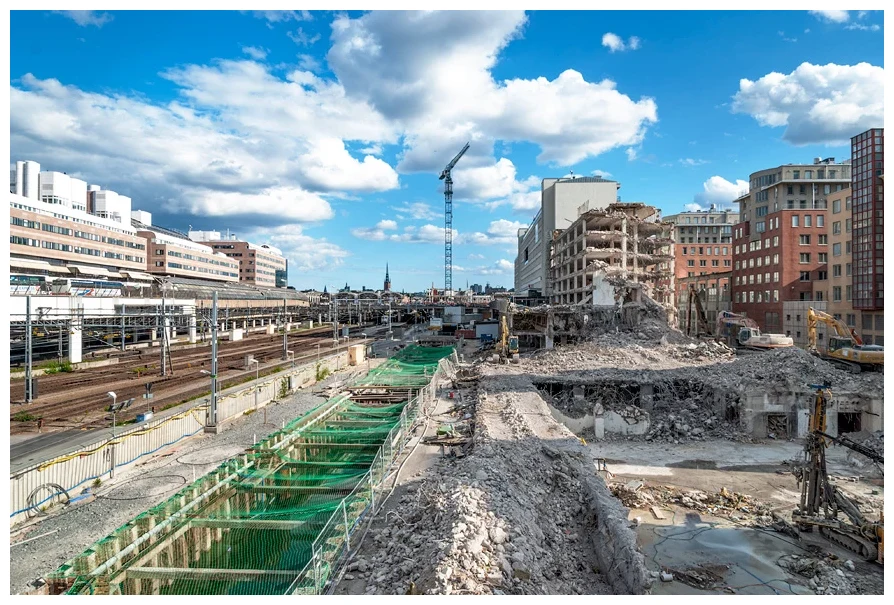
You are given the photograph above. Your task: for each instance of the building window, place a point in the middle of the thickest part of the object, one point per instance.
(807, 220)
(847, 247)
(805, 275)
(690, 263)
(822, 275)
(737, 265)
(847, 225)
(702, 263)
(823, 240)
(848, 293)
(727, 263)
(795, 219)
(804, 240)
(836, 270)
(836, 249)
(715, 263)
(751, 279)
(776, 276)
(823, 257)
(836, 227)
(836, 206)
(760, 278)
(804, 257)
(820, 220)
(847, 269)
(775, 259)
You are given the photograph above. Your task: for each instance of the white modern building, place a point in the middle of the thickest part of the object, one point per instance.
(562, 201)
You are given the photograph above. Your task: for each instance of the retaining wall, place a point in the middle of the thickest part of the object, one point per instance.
(98, 460)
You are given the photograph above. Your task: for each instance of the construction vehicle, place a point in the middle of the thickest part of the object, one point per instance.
(821, 501)
(703, 327)
(846, 348)
(749, 336)
(508, 343)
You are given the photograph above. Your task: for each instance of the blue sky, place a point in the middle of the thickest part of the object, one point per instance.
(323, 133)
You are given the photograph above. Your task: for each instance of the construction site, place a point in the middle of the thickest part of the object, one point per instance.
(631, 459)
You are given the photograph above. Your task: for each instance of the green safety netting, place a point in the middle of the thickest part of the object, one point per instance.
(276, 519)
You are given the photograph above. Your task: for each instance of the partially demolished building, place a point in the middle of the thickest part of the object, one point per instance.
(612, 257)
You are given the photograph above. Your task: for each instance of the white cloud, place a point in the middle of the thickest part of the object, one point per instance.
(426, 234)
(866, 28)
(500, 232)
(631, 154)
(500, 267)
(692, 162)
(372, 150)
(476, 256)
(497, 185)
(328, 166)
(615, 43)
(286, 202)
(417, 210)
(284, 16)
(308, 63)
(301, 38)
(787, 39)
(258, 54)
(85, 18)
(306, 254)
(405, 64)
(831, 16)
(816, 103)
(718, 191)
(603, 173)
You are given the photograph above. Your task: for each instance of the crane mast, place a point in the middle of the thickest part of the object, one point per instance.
(448, 219)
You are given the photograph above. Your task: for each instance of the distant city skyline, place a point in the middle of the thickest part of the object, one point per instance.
(323, 133)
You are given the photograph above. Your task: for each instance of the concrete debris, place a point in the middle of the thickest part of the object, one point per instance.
(724, 503)
(823, 575)
(874, 441)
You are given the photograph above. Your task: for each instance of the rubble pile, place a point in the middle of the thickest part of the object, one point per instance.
(741, 508)
(873, 441)
(512, 522)
(824, 575)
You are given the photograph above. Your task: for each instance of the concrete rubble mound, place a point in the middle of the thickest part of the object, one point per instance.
(823, 575)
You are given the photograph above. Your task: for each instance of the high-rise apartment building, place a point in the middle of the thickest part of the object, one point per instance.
(781, 244)
(867, 191)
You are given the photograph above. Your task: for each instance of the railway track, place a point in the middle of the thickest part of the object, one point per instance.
(70, 401)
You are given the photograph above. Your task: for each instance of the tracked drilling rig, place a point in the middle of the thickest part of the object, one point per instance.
(821, 501)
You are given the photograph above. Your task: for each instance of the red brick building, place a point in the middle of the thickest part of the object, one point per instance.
(781, 246)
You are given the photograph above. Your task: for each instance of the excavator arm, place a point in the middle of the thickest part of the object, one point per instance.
(841, 328)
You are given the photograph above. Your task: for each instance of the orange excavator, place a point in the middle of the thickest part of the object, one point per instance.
(845, 348)
(749, 336)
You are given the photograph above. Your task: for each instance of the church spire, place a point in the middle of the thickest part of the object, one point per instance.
(387, 279)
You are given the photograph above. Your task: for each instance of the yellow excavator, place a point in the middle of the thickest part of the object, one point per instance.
(845, 348)
(749, 336)
(821, 501)
(508, 343)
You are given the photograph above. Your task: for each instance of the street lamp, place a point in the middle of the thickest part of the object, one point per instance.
(114, 397)
(257, 370)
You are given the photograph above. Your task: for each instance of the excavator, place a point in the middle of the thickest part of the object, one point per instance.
(703, 329)
(749, 336)
(845, 348)
(821, 501)
(508, 343)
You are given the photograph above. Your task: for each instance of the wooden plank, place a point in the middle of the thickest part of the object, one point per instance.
(205, 573)
(657, 512)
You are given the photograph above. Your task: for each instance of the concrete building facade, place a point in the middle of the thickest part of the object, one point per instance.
(562, 200)
(173, 253)
(259, 265)
(55, 239)
(624, 241)
(780, 245)
(867, 191)
(704, 246)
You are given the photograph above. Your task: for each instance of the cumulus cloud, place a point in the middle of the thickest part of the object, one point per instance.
(603, 173)
(831, 16)
(85, 18)
(501, 267)
(258, 54)
(308, 63)
(306, 254)
(500, 232)
(817, 104)
(718, 191)
(404, 64)
(615, 43)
